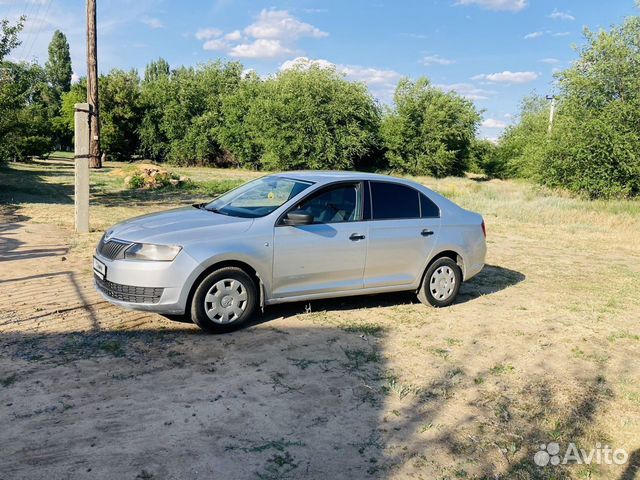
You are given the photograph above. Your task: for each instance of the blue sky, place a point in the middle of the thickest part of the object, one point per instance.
(492, 51)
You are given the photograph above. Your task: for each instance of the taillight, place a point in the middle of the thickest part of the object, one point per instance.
(484, 229)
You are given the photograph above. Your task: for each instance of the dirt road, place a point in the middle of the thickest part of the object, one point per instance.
(377, 387)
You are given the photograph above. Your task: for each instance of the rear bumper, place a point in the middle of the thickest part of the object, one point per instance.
(475, 260)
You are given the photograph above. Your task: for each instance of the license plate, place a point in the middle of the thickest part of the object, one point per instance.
(99, 268)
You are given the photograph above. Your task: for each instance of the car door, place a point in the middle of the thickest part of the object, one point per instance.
(402, 233)
(327, 255)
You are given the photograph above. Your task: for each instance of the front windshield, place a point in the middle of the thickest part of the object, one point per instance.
(257, 198)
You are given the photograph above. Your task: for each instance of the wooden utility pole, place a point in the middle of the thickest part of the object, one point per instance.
(92, 86)
(81, 198)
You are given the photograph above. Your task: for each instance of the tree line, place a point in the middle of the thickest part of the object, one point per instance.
(220, 115)
(593, 147)
(312, 117)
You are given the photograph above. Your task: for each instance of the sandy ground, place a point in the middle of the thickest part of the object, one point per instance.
(369, 387)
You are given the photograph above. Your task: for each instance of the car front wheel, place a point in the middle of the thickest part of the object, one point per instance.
(441, 283)
(224, 301)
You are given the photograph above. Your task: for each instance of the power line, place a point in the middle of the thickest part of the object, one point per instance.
(37, 33)
(23, 46)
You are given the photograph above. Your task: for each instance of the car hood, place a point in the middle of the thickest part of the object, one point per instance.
(178, 226)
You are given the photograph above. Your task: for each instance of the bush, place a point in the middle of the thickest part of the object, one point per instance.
(305, 117)
(522, 147)
(594, 147)
(484, 159)
(429, 132)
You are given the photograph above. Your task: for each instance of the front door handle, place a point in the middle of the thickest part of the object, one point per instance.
(356, 236)
(426, 232)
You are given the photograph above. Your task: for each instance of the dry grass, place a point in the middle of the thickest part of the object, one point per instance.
(541, 347)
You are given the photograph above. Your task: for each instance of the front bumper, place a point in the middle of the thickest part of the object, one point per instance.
(161, 287)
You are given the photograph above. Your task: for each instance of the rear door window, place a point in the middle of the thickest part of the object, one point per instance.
(391, 201)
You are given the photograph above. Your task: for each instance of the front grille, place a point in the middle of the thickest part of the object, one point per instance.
(128, 293)
(112, 249)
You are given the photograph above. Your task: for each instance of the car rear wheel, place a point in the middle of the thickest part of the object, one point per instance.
(224, 301)
(441, 283)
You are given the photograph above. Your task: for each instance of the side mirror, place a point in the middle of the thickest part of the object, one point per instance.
(297, 217)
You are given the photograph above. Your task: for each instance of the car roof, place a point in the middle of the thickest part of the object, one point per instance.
(325, 176)
(322, 177)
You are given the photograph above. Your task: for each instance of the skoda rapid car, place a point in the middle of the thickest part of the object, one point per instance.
(290, 237)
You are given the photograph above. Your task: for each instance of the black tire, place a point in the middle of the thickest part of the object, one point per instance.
(438, 295)
(199, 312)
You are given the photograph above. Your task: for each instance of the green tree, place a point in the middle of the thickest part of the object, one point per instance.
(237, 135)
(25, 129)
(120, 113)
(484, 159)
(522, 146)
(58, 66)
(9, 36)
(595, 145)
(311, 117)
(183, 113)
(429, 132)
(77, 94)
(156, 70)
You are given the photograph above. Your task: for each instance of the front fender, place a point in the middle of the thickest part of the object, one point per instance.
(254, 251)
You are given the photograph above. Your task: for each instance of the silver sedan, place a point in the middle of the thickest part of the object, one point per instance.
(290, 237)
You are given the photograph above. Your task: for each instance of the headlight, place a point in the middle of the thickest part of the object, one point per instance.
(147, 251)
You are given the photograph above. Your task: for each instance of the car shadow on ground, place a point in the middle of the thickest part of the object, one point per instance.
(492, 279)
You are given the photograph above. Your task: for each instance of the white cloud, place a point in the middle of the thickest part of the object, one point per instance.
(532, 35)
(417, 36)
(508, 77)
(304, 63)
(75, 78)
(152, 22)
(558, 15)
(215, 44)
(467, 90)
(370, 76)
(381, 82)
(279, 24)
(208, 33)
(260, 48)
(436, 60)
(550, 61)
(273, 34)
(233, 36)
(509, 5)
(493, 123)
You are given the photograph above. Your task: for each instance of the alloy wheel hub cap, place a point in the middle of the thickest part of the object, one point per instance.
(226, 301)
(442, 283)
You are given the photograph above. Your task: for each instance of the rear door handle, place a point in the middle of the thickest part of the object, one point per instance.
(426, 232)
(356, 236)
